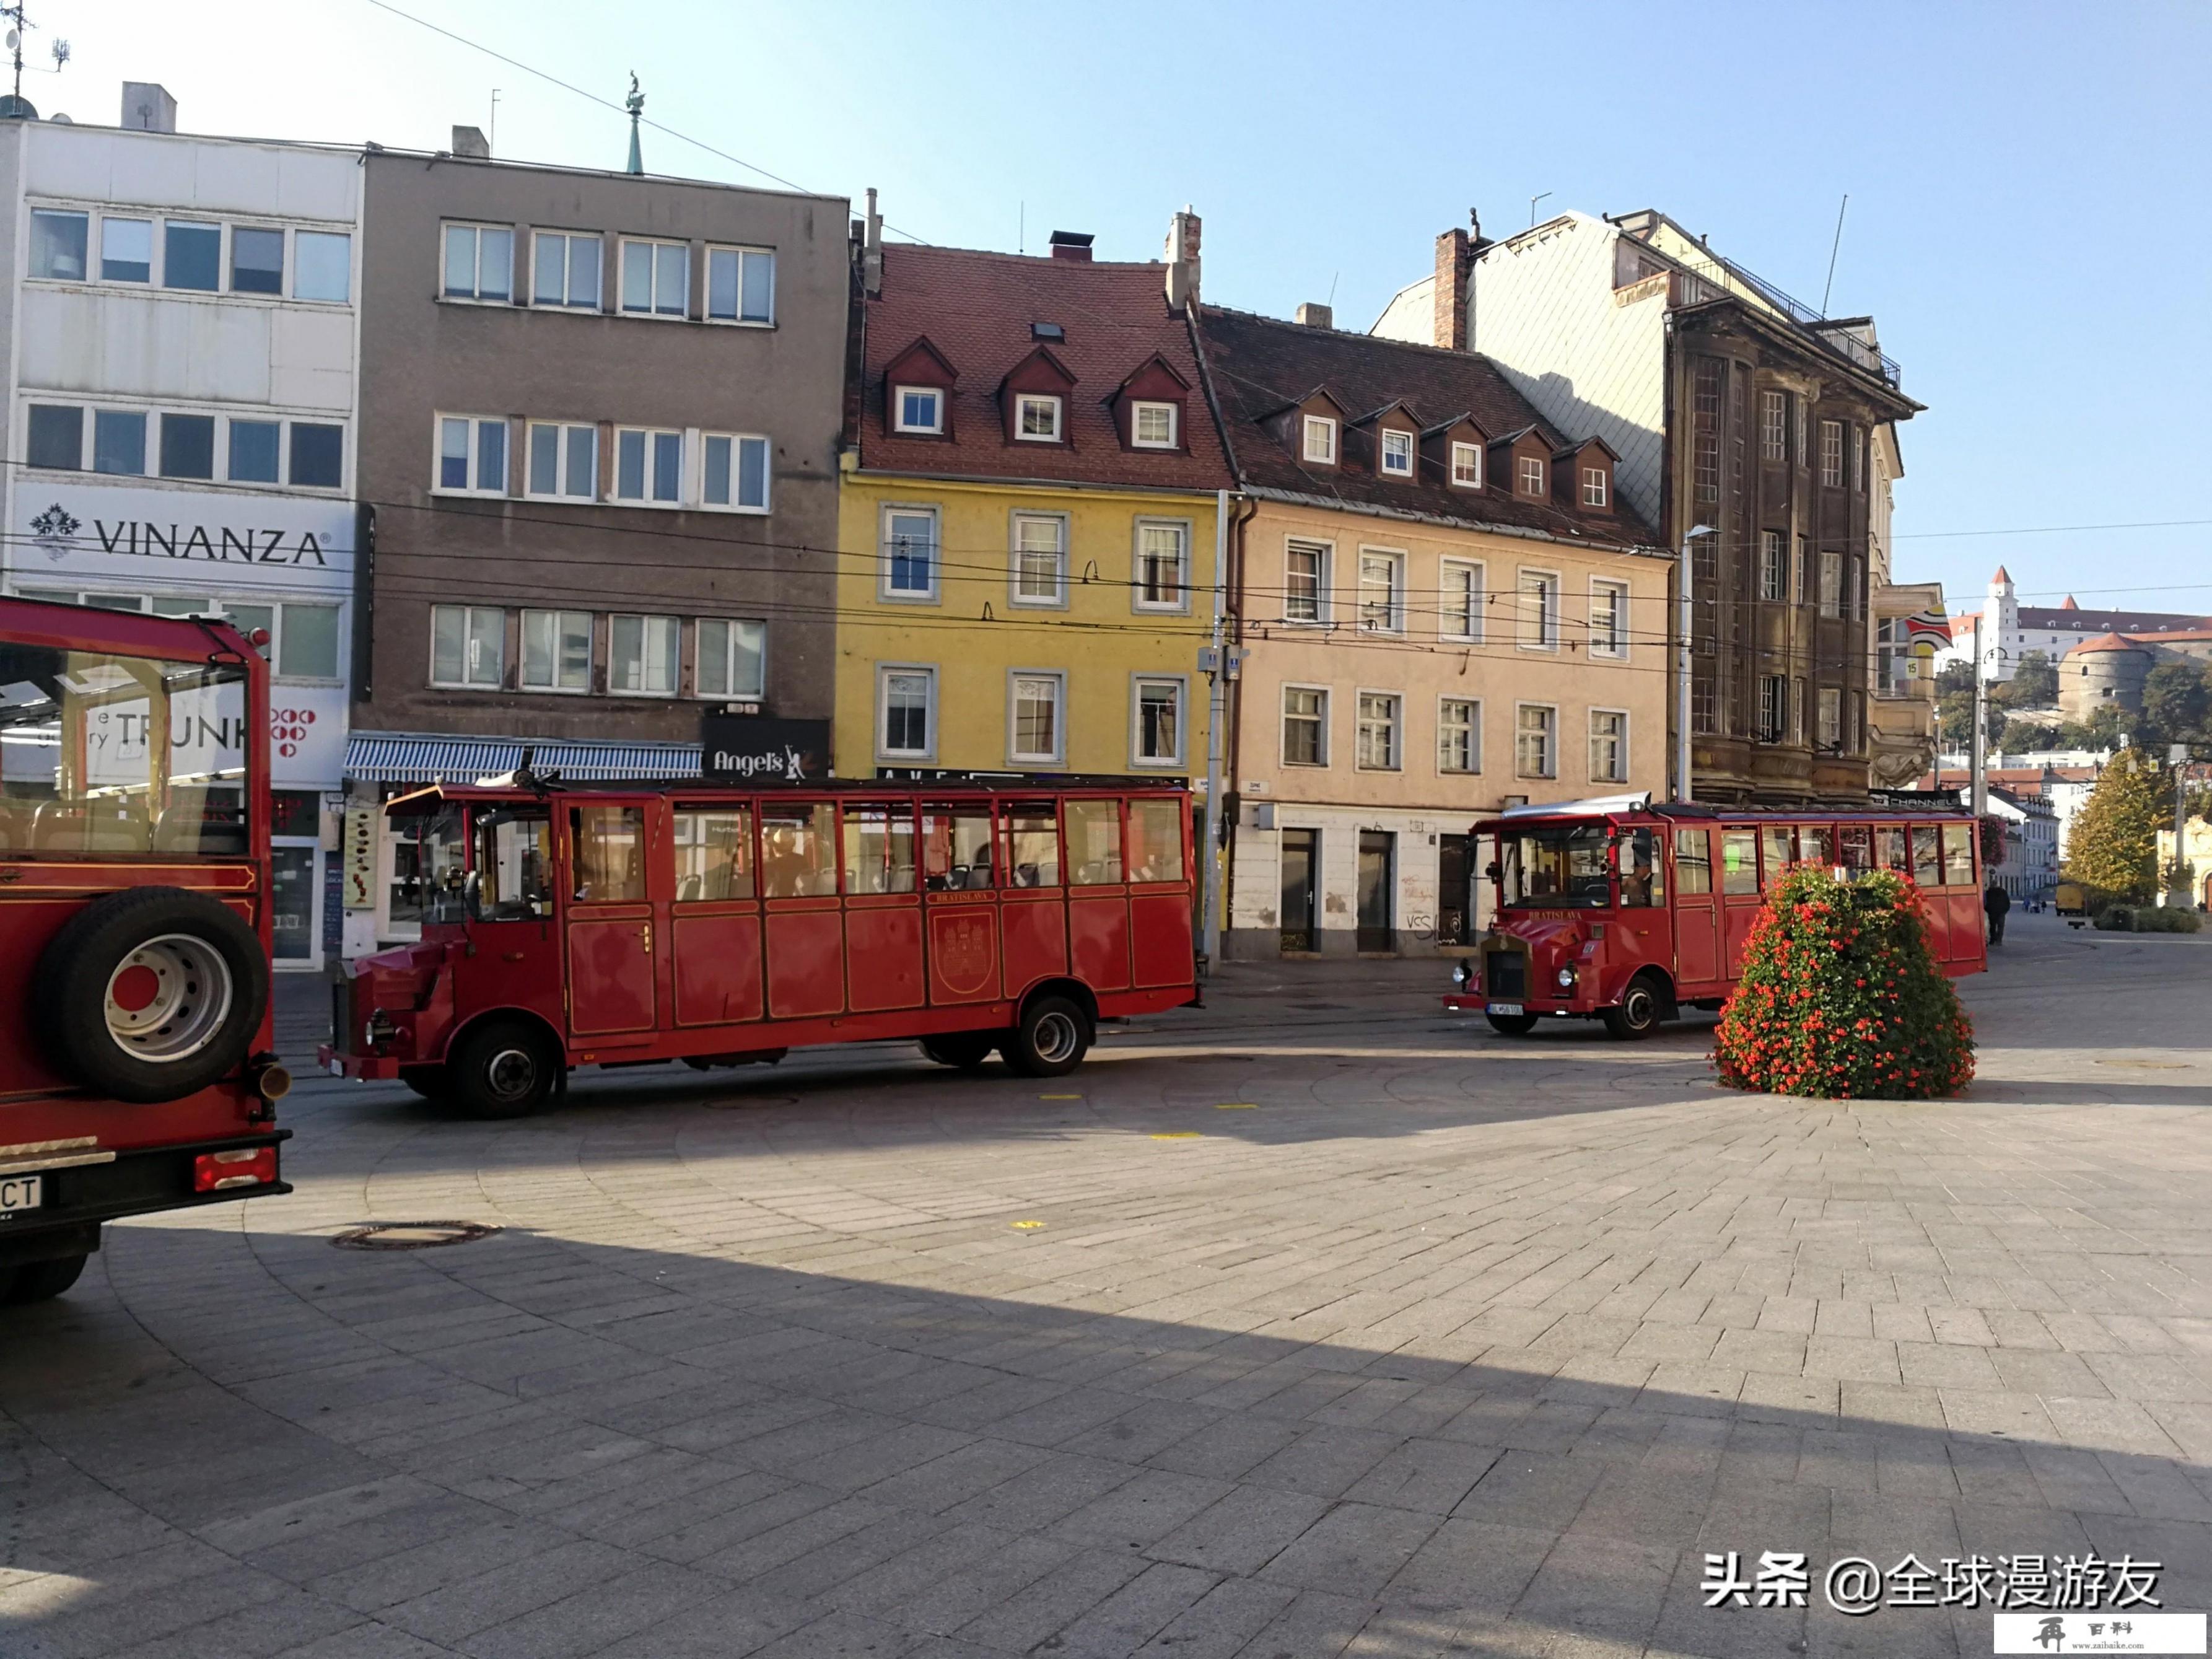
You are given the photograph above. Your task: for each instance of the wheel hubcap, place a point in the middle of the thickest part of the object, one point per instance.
(168, 999)
(512, 1073)
(1055, 1038)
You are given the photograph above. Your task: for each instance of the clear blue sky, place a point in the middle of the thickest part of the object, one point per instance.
(2031, 205)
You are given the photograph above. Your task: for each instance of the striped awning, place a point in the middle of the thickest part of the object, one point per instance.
(412, 757)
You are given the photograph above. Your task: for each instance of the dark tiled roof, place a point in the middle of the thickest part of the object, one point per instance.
(976, 308)
(2074, 620)
(1260, 366)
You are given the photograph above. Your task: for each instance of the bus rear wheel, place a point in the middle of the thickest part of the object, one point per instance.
(1512, 1025)
(39, 1281)
(501, 1070)
(964, 1051)
(1051, 1041)
(1643, 1006)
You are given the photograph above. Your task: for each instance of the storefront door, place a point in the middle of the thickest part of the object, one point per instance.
(1376, 888)
(1455, 923)
(1301, 856)
(295, 852)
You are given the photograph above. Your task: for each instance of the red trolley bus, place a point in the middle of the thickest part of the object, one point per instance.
(1621, 910)
(616, 925)
(135, 1069)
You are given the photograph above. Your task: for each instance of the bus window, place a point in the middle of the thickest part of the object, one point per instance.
(1958, 855)
(1816, 844)
(1927, 860)
(1155, 841)
(1642, 880)
(442, 878)
(514, 877)
(1033, 834)
(1694, 862)
(714, 853)
(1857, 846)
(1094, 842)
(1554, 868)
(1889, 848)
(1776, 841)
(880, 849)
(1739, 861)
(609, 854)
(956, 849)
(798, 851)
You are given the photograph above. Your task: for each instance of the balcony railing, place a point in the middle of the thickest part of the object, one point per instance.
(1710, 277)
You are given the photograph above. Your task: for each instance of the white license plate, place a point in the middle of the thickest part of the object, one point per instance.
(1503, 1008)
(337, 1067)
(20, 1193)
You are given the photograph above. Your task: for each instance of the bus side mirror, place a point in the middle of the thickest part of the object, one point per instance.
(472, 890)
(1494, 871)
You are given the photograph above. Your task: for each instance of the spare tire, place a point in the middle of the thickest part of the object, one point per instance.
(151, 994)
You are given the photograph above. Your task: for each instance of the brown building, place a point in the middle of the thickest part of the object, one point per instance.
(600, 417)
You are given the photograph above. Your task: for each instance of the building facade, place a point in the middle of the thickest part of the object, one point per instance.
(1028, 551)
(1443, 608)
(599, 430)
(1731, 406)
(2010, 630)
(182, 420)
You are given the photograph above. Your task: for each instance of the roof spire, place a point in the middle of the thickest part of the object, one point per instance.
(635, 105)
(2003, 578)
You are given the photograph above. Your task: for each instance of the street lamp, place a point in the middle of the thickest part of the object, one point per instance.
(1682, 788)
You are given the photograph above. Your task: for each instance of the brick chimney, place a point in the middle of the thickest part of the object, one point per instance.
(1316, 316)
(1072, 244)
(1182, 255)
(470, 144)
(1455, 261)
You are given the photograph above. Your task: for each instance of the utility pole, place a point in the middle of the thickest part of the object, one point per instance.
(1979, 782)
(2176, 886)
(1216, 705)
(1683, 787)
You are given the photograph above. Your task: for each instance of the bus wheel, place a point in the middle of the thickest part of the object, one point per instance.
(504, 1069)
(41, 1281)
(1051, 1040)
(1512, 1025)
(964, 1051)
(1643, 1007)
(429, 1081)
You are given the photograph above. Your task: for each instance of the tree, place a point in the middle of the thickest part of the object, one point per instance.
(1955, 677)
(2176, 703)
(2034, 684)
(2021, 737)
(1840, 997)
(2114, 844)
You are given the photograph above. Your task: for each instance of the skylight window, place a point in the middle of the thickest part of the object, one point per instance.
(1052, 332)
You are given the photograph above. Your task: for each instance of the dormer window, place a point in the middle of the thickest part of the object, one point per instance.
(1532, 476)
(918, 409)
(1467, 465)
(1036, 418)
(1595, 488)
(1397, 454)
(1154, 426)
(1320, 439)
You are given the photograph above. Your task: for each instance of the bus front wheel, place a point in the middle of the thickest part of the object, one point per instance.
(1512, 1025)
(39, 1281)
(964, 1051)
(504, 1069)
(1643, 1006)
(1051, 1041)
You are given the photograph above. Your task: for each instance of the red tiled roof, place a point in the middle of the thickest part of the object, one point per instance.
(1261, 366)
(975, 308)
(2002, 577)
(2104, 643)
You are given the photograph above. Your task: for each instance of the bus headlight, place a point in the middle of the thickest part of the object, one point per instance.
(1462, 975)
(1566, 979)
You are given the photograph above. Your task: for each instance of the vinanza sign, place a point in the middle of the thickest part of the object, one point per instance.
(101, 533)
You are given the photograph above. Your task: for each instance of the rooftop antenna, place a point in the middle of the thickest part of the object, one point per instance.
(1532, 200)
(1022, 228)
(491, 136)
(1833, 248)
(635, 105)
(1332, 275)
(20, 27)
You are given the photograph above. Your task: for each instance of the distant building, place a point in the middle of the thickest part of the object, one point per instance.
(2105, 672)
(2010, 630)
(2030, 862)
(2197, 853)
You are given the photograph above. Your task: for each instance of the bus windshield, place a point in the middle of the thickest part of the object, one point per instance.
(1554, 867)
(114, 755)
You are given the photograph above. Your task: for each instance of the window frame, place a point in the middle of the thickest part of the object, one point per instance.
(1138, 759)
(282, 233)
(1324, 425)
(1550, 735)
(1832, 464)
(1063, 531)
(885, 671)
(675, 663)
(1529, 478)
(1773, 426)
(1597, 487)
(477, 295)
(222, 248)
(1180, 604)
(31, 243)
(1472, 726)
(560, 429)
(1320, 720)
(476, 424)
(1056, 757)
(1621, 772)
(1830, 563)
(884, 557)
(1410, 450)
(1461, 449)
(560, 614)
(652, 309)
(567, 302)
(1621, 642)
(1392, 728)
(1773, 566)
(740, 252)
(899, 422)
(738, 441)
(1773, 723)
(699, 625)
(1394, 620)
(1051, 400)
(1478, 597)
(1824, 698)
(153, 255)
(1323, 610)
(1552, 587)
(469, 613)
(1137, 410)
(676, 502)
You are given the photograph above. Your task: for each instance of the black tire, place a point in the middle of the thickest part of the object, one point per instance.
(200, 970)
(41, 1281)
(429, 1081)
(964, 1051)
(1051, 1041)
(1512, 1025)
(503, 1068)
(1643, 1006)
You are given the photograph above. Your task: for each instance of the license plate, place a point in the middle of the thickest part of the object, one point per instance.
(20, 1193)
(337, 1067)
(1503, 1008)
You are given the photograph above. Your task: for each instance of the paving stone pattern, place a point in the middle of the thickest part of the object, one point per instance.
(1449, 1344)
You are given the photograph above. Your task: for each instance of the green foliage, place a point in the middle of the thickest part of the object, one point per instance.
(2034, 684)
(1956, 677)
(2178, 704)
(2114, 842)
(1841, 999)
(2021, 737)
(2146, 919)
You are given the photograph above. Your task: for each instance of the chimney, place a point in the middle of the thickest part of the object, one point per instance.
(1454, 260)
(147, 107)
(1182, 253)
(871, 250)
(1314, 316)
(471, 144)
(1072, 244)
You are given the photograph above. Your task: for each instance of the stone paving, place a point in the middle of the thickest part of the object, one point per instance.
(1316, 1321)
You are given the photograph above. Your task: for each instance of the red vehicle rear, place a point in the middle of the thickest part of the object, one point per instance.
(618, 925)
(1621, 910)
(135, 1069)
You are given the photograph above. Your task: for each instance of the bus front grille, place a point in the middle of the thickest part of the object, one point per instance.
(1505, 975)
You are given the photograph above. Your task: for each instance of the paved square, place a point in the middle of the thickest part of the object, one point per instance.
(1317, 1321)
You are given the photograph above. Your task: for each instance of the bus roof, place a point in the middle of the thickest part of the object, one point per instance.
(524, 787)
(1629, 812)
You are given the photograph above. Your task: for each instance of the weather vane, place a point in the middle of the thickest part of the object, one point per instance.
(635, 105)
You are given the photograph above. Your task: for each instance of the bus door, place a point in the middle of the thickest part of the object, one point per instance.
(715, 922)
(959, 902)
(1097, 894)
(883, 910)
(609, 929)
(1032, 905)
(1159, 892)
(1739, 894)
(1643, 932)
(514, 954)
(1697, 921)
(805, 927)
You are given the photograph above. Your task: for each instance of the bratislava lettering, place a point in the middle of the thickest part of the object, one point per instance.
(57, 532)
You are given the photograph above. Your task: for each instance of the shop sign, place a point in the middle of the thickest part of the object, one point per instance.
(755, 749)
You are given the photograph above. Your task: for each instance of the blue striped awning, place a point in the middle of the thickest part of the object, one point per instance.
(409, 757)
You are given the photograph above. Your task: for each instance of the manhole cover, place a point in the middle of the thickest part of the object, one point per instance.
(1215, 1060)
(411, 1235)
(1320, 1007)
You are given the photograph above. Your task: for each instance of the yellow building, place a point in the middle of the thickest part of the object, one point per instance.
(1028, 520)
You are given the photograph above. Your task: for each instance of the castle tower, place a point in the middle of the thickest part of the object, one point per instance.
(2001, 637)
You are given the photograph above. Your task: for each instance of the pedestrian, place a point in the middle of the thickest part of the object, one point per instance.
(1994, 903)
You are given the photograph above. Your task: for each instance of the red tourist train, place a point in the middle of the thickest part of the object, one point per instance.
(1628, 912)
(136, 1068)
(620, 925)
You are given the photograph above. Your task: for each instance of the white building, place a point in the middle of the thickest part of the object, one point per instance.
(181, 353)
(2010, 630)
(2031, 862)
